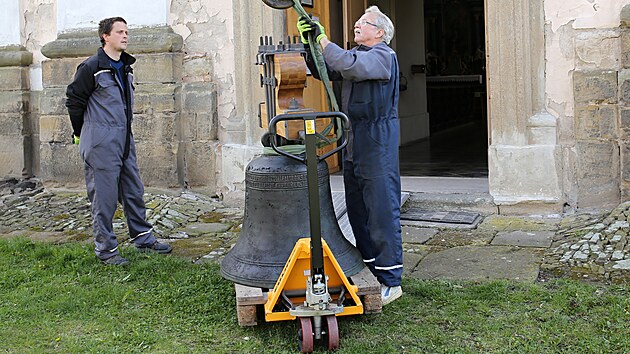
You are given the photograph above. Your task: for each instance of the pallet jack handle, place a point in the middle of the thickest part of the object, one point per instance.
(311, 160)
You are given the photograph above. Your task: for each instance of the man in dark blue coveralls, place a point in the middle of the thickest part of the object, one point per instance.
(369, 97)
(100, 104)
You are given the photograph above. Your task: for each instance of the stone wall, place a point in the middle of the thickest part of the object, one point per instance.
(16, 130)
(221, 39)
(624, 103)
(596, 138)
(559, 87)
(601, 89)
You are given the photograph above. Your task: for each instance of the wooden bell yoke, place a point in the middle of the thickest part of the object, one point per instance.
(283, 75)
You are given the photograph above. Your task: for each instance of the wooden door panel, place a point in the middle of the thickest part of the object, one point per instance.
(352, 11)
(314, 94)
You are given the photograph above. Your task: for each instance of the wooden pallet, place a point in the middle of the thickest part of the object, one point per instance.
(249, 299)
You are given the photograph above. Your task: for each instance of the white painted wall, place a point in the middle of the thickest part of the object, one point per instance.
(39, 28)
(10, 22)
(586, 13)
(79, 14)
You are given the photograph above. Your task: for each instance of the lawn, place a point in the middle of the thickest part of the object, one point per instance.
(59, 298)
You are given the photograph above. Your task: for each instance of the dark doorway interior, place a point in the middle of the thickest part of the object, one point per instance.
(456, 93)
(457, 152)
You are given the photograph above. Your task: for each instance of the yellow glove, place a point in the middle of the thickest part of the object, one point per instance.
(305, 25)
(75, 140)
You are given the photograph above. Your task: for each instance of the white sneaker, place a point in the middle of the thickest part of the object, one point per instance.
(390, 293)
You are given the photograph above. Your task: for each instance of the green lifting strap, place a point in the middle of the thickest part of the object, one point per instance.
(316, 53)
(291, 149)
(318, 57)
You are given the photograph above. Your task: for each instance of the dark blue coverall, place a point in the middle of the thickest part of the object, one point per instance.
(101, 112)
(369, 97)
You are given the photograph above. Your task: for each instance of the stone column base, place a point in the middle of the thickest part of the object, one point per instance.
(525, 177)
(16, 133)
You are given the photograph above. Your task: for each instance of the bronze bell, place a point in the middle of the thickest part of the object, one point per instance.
(276, 216)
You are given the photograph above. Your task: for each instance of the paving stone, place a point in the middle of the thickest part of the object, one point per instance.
(580, 256)
(417, 234)
(541, 239)
(196, 229)
(410, 262)
(480, 263)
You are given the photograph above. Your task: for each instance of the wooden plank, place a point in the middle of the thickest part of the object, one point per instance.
(366, 282)
(247, 295)
(372, 303)
(369, 291)
(246, 315)
(247, 299)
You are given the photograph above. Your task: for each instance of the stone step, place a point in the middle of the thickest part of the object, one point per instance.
(481, 203)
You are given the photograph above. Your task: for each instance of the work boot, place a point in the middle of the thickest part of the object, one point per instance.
(390, 293)
(116, 260)
(158, 247)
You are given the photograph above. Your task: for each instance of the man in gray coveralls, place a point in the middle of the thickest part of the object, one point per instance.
(100, 104)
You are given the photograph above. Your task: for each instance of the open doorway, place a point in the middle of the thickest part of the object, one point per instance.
(442, 109)
(454, 47)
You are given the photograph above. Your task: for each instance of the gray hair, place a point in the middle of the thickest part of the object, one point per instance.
(383, 22)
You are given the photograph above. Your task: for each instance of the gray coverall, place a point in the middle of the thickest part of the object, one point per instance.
(101, 114)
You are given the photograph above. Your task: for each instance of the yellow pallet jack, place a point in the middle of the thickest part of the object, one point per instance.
(312, 286)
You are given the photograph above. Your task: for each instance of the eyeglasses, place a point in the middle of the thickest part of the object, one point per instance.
(362, 23)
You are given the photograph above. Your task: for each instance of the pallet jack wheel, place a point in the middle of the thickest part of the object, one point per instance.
(305, 335)
(332, 332)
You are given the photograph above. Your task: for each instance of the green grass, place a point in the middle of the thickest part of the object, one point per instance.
(61, 299)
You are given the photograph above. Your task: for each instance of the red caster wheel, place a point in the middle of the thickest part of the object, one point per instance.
(305, 335)
(332, 332)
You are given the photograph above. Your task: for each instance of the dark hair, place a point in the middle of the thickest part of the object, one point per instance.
(105, 27)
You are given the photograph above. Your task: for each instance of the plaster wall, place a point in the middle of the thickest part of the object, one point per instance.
(579, 33)
(10, 24)
(37, 30)
(81, 14)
